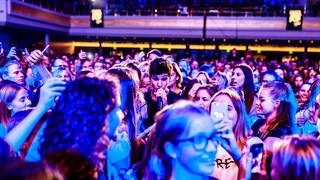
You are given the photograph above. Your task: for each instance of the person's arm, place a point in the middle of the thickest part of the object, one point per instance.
(18, 135)
(40, 72)
(228, 140)
(244, 165)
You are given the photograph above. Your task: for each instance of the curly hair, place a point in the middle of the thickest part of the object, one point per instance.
(78, 121)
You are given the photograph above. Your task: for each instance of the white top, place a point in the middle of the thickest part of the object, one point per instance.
(225, 167)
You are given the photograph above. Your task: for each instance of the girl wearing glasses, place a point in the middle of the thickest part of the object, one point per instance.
(183, 143)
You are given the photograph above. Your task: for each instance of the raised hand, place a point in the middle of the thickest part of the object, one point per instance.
(163, 94)
(13, 54)
(52, 88)
(82, 55)
(34, 57)
(227, 138)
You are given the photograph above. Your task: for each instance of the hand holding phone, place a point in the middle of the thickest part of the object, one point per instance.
(139, 57)
(51, 89)
(256, 147)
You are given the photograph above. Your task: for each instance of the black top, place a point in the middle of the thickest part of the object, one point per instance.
(153, 107)
(278, 132)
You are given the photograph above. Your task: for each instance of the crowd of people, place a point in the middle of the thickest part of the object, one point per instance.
(151, 116)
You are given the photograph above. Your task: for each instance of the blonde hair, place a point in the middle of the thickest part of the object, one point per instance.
(171, 123)
(241, 127)
(297, 157)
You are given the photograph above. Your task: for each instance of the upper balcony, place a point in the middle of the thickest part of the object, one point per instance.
(175, 8)
(217, 24)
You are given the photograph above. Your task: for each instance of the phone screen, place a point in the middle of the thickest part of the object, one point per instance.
(257, 152)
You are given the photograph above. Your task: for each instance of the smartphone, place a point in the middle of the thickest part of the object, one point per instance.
(140, 56)
(20, 52)
(256, 149)
(218, 110)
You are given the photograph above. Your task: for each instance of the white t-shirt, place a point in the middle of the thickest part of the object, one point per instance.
(225, 167)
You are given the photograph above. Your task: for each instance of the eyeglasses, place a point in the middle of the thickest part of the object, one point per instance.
(200, 142)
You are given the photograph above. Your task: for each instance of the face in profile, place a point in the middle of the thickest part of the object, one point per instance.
(20, 102)
(315, 112)
(15, 74)
(195, 150)
(219, 81)
(265, 103)
(173, 79)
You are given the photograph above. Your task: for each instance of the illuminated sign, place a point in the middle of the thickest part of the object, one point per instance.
(294, 18)
(96, 18)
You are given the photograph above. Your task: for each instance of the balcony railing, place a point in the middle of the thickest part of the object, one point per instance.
(128, 8)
